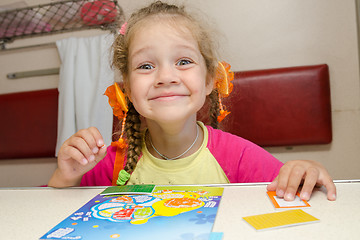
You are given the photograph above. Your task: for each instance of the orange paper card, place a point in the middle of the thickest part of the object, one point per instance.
(280, 203)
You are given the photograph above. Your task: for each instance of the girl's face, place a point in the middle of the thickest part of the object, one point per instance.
(167, 73)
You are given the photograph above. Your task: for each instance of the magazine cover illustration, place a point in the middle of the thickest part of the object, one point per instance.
(168, 212)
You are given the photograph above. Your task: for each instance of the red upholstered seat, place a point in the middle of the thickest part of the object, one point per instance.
(280, 107)
(28, 124)
(275, 107)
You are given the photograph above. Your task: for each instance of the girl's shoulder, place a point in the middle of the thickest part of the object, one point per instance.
(242, 160)
(218, 138)
(224, 145)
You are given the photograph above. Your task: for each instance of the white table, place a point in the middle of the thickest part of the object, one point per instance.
(28, 213)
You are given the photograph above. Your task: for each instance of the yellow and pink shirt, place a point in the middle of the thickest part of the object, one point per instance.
(222, 158)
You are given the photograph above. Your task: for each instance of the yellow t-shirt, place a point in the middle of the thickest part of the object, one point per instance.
(198, 168)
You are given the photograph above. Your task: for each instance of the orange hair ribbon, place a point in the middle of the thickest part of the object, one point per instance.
(224, 86)
(118, 103)
(117, 100)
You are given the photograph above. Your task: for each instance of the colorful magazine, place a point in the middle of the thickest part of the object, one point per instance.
(168, 212)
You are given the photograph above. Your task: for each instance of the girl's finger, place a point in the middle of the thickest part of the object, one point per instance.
(273, 185)
(328, 183)
(89, 137)
(101, 154)
(311, 177)
(282, 180)
(83, 147)
(73, 153)
(99, 141)
(295, 178)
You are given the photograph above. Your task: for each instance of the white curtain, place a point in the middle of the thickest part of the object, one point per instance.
(85, 73)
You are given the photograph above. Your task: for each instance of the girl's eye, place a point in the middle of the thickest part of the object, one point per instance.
(146, 66)
(183, 62)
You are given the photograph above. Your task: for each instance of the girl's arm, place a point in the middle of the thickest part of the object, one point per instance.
(79, 154)
(306, 172)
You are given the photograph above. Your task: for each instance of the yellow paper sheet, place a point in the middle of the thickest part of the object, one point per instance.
(280, 219)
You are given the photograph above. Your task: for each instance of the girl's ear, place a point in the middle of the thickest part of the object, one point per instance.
(209, 84)
(126, 86)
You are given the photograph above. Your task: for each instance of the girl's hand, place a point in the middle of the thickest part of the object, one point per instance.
(78, 154)
(306, 172)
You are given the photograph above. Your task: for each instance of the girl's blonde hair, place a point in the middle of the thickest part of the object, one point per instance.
(120, 61)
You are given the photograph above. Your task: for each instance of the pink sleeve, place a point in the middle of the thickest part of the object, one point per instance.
(241, 160)
(102, 173)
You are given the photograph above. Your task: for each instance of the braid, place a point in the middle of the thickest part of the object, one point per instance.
(214, 108)
(133, 134)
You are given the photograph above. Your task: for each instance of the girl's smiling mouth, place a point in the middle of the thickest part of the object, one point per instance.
(168, 97)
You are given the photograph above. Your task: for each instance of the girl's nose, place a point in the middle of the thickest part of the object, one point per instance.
(167, 75)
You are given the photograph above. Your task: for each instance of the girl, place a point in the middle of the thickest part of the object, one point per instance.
(168, 66)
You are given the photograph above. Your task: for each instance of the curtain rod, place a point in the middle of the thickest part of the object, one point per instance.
(51, 44)
(35, 73)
